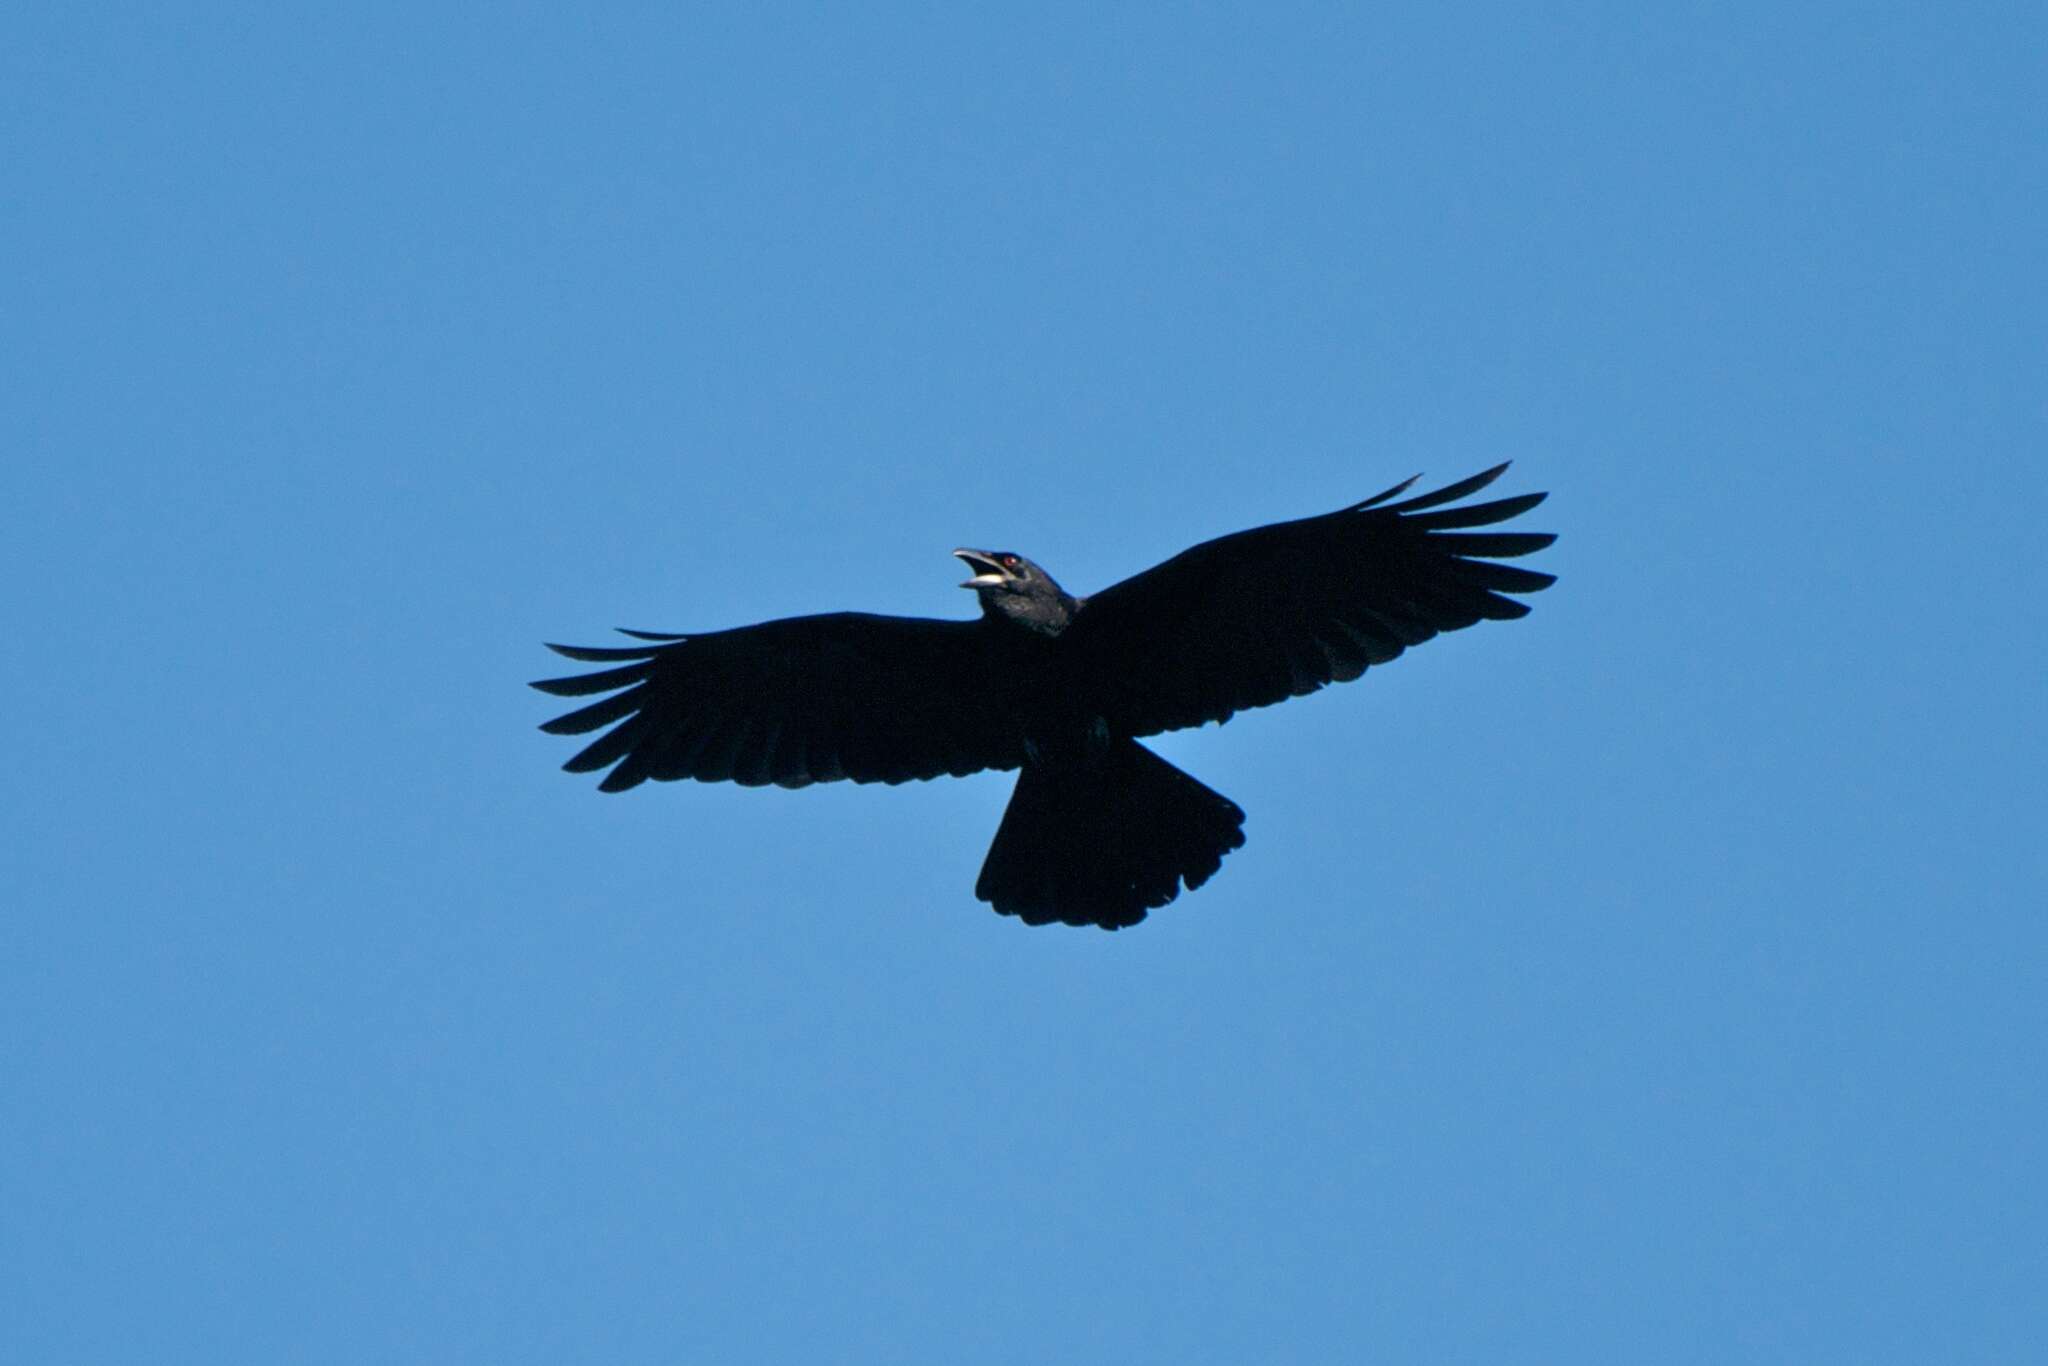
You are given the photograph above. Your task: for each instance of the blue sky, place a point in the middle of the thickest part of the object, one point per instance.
(1657, 978)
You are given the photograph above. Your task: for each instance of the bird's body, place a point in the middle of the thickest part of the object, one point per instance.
(1099, 829)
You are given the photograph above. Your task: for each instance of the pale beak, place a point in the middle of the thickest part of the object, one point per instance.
(989, 574)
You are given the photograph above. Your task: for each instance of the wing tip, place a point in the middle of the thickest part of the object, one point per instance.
(1393, 492)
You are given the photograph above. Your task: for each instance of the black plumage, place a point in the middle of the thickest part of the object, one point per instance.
(1099, 829)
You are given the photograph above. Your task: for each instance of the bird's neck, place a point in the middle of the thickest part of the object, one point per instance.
(1045, 615)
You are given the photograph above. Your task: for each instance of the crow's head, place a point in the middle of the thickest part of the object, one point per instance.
(1013, 587)
(998, 571)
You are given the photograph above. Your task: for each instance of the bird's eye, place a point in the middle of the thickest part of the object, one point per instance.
(1009, 561)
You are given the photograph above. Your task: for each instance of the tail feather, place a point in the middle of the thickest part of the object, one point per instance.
(1102, 843)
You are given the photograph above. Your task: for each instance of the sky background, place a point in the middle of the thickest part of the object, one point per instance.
(1660, 977)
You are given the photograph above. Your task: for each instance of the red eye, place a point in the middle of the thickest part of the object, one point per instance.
(1009, 561)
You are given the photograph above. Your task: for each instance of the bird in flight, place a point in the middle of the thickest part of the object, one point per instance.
(1099, 829)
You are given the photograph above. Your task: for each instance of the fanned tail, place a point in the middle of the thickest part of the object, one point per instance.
(1103, 842)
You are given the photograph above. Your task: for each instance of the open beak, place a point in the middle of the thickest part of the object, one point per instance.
(987, 573)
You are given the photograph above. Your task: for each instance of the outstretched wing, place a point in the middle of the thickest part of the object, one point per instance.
(1257, 617)
(792, 702)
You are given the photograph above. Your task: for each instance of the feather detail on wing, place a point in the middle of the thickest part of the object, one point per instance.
(791, 702)
(1256, 617)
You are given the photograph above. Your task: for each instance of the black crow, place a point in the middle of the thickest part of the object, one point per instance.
(1099, 829)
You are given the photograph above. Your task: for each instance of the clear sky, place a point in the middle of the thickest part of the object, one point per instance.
(1658, 978)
